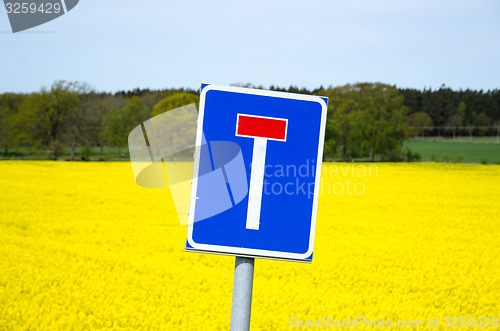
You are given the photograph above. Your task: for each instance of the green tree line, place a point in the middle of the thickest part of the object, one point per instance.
(444, 111)
(368, 120)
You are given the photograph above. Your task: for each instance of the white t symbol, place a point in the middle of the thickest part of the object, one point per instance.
(261, 129)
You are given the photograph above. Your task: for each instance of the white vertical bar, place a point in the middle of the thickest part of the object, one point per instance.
(256, 183)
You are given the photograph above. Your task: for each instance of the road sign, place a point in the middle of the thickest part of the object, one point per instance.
(280, 138)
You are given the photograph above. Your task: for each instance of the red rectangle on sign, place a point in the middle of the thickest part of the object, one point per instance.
(264, 127)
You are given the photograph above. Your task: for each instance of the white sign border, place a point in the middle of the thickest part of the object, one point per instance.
(260, 253)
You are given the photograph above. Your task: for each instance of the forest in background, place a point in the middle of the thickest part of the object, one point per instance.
(365, 120)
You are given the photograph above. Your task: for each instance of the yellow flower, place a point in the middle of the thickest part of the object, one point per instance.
(83, 247)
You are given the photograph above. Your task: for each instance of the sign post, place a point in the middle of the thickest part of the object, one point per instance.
(263, 202)
(242, 293)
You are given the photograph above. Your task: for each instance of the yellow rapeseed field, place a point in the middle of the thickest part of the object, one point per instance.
(83, 247)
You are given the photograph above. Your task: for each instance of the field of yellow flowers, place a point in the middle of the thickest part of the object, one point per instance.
(83, 247)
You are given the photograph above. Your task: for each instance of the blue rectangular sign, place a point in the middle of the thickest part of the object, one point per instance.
(257, 173)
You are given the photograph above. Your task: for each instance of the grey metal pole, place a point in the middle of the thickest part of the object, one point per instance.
(242, 294)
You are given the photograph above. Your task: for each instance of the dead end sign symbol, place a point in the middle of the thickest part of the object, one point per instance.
(272, 129)
(261, 129)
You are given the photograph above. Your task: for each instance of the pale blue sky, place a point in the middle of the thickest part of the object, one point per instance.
(116, 45)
